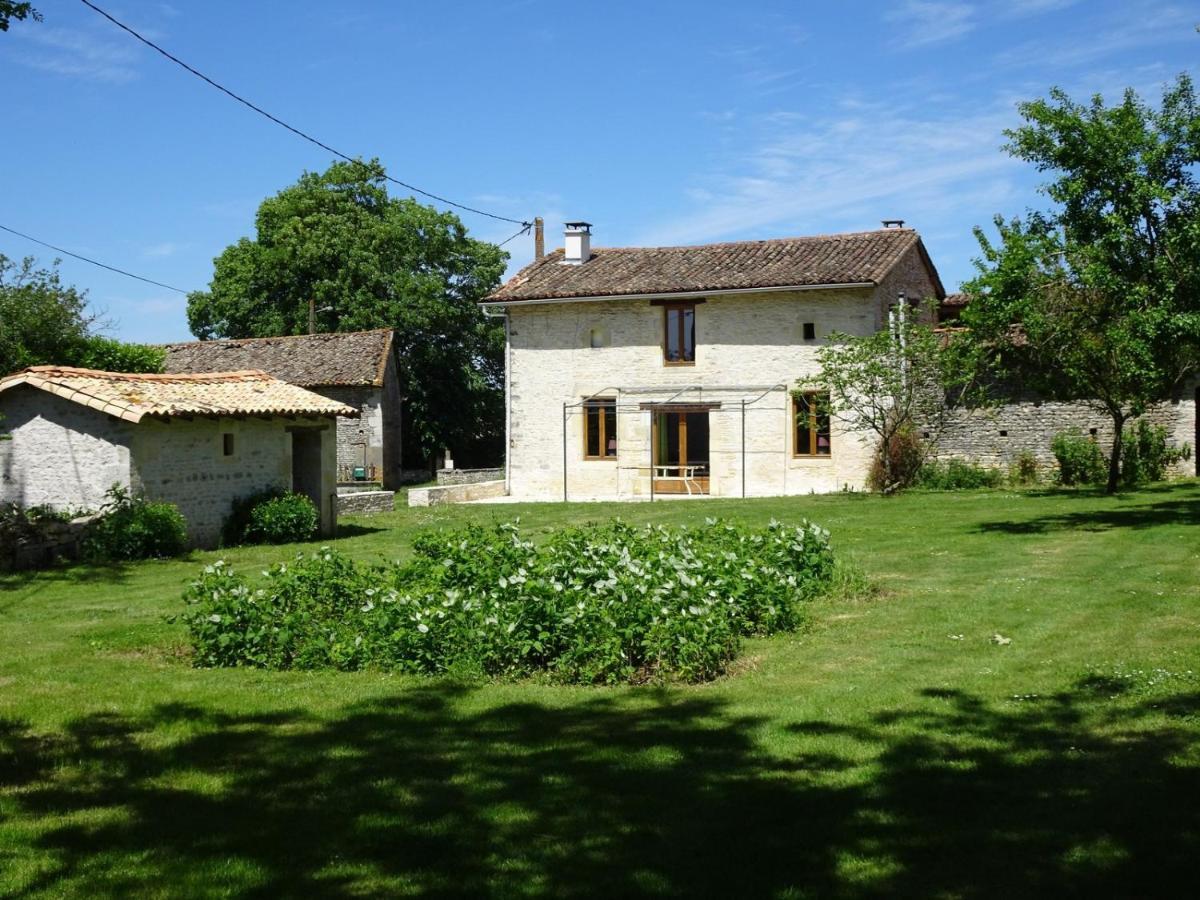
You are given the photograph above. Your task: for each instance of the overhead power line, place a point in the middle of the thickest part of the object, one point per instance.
(92, 261)
(296, 131)
(524, 230)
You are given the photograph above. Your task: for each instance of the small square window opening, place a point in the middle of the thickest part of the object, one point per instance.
(227, 444)
(810, 331)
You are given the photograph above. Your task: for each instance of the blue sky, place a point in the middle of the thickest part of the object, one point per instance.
(660, 122)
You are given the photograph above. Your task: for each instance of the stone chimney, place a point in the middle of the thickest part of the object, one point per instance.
(578, 248)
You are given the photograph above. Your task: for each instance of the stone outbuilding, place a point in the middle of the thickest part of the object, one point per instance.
(358, 369)
(198, 441)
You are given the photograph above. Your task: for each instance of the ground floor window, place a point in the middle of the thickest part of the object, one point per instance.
(600, 429)
(811, 415)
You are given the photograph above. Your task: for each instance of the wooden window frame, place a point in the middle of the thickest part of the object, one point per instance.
(602, 404)
(811, 451)
(680, 307)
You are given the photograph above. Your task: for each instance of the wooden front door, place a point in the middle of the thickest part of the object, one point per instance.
(681, 458)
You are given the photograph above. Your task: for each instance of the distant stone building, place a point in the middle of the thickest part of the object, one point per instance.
(357, 368)
(198, 441)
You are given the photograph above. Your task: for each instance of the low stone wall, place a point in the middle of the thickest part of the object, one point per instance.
(455, 493)
(468, 476)
(997, 436)
(365, 503)
(58, 541)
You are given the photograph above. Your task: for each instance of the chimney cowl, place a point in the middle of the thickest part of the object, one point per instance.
(577, 248)
(893, 223)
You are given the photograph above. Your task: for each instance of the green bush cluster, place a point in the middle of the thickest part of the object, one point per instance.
(131, 528)
(957, 475)
(271, 517)
(1080, 460)
(602, 604)
(1145, 456)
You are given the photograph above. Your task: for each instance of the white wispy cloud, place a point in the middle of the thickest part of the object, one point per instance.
(167, 248)
(1015, 9)
(850, 171)
(1130, 29)
(925, 22)
(76, 54)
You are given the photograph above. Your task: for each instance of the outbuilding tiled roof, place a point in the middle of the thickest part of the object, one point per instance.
(134, 397)
(956, 300)
(352, 358)
(836, 259)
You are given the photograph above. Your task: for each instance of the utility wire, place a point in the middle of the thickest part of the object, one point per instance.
(524, 230)
(92, 261)
(296, 131)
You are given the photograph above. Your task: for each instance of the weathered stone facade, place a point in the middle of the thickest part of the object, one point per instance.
(996, 436)
(365, 503)
(67, 456)
(749, 347)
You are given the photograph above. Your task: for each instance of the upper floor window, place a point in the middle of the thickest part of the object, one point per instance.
(600, 429)
(812, 437)
(680, 345)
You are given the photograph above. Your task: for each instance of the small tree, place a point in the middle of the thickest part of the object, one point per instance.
(1098, 300)
(888, 385)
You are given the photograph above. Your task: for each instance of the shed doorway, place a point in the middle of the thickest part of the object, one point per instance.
(681, 452)
(306, 464)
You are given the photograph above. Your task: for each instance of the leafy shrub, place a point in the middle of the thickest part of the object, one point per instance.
(602, 604)
(906, 454)
(957, 475)
(270, 517)
(132, 527)
(1080, 460)
(109, 355)
(1145, 456)
(18, 523)
(1025, 469)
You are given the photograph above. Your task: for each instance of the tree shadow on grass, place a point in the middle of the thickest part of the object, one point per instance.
(614, 796)
(1149, 515)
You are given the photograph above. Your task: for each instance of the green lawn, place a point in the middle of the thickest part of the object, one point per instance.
(891, 749)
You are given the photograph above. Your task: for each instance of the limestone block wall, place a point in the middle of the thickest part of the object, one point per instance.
(995, 437)
(60, 453)
(365, 503)
(751, 339)
(359, 441)
(184, 463)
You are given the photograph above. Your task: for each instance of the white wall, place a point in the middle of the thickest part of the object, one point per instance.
(61, 453)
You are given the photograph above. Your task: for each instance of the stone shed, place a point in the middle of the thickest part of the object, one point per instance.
(358, 369)
(198, 441)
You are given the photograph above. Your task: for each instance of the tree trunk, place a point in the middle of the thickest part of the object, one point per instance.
(1114, 458)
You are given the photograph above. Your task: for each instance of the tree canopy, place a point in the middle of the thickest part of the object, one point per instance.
(11, 11)
(1098, 298)
(44, 322)
(366, 260)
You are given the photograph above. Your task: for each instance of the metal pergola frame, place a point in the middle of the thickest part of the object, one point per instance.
(743, 403)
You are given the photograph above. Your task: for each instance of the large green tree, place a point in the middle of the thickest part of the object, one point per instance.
(1098, 298)
(46, 322)
(366, 260)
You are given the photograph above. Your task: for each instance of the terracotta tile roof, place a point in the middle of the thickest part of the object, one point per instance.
(837, 259)
(956, 300)
(309, 360)
(133, 397)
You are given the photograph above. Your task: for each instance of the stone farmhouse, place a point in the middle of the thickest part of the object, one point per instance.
(638, 372)
(358, 369)
(198, 441)
(634, 372)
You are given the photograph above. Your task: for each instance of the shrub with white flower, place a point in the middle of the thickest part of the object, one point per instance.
(605, 603)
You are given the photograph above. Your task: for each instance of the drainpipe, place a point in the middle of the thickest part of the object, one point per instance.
(503, 314)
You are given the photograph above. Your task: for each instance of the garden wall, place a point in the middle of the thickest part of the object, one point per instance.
(468, 476)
